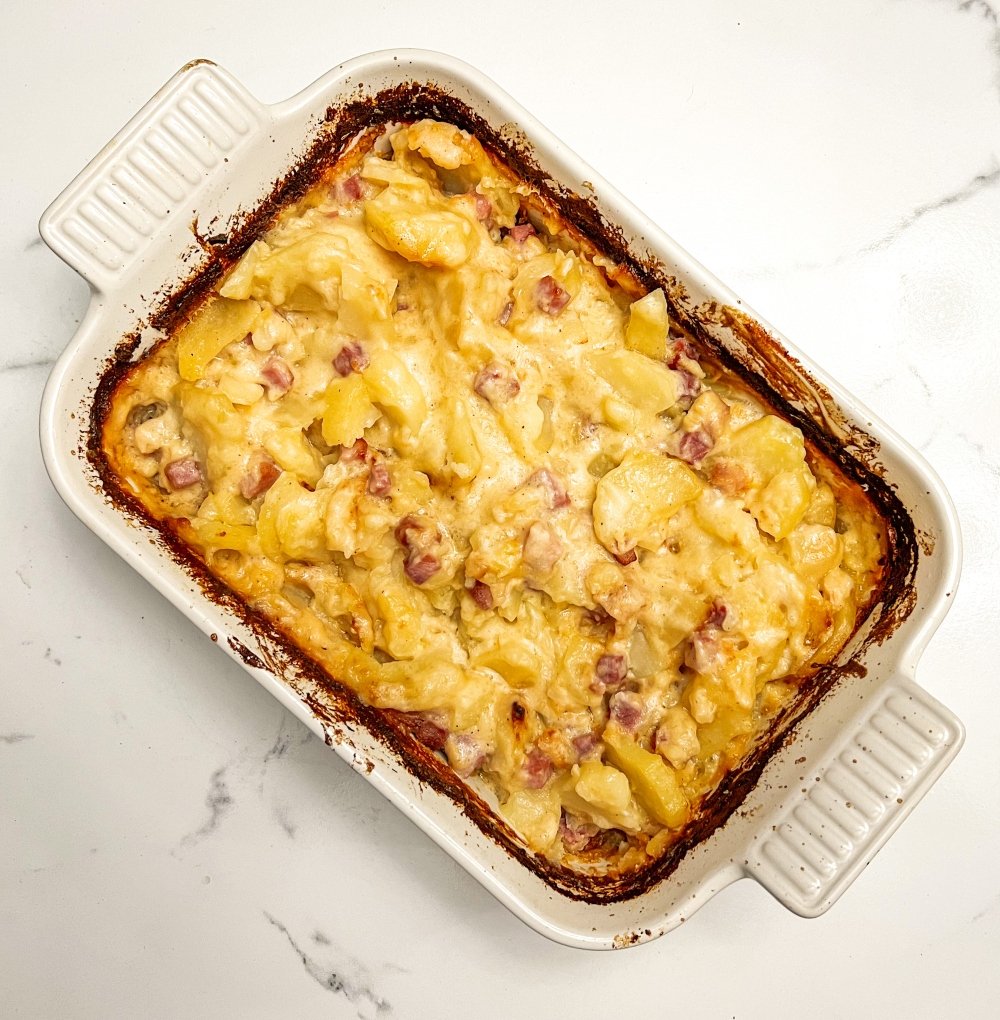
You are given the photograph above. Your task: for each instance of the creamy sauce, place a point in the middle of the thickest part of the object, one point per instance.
(420, 430)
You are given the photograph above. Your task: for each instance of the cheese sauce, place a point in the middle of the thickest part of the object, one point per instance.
(422, 430)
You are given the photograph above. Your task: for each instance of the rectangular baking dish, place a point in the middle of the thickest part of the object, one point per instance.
(143, 216)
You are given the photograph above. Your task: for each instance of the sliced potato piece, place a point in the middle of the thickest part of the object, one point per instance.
(783, 502)
(214, 326)
(635, 500)
(291, 451)
(648, 324)
(392, 385)
(413, 228)
(647, 384)
(654, 782)
(534, 814)
(348, 411)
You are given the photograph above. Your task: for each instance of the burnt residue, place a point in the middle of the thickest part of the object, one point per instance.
(219, 802)
(350, 978)
(769, 370)
(247, 657)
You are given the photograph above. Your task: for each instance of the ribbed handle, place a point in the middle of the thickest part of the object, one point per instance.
(856, 798)
(103, 223)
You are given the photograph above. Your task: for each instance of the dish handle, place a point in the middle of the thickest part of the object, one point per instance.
(142, 181)
(857, 796)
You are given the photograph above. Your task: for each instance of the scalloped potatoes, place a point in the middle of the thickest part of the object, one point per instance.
(421, 429)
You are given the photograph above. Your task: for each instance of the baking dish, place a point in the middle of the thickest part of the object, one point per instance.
(135, 223)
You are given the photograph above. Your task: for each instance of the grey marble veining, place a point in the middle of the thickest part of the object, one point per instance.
(347, 976)
(15, 738)
(978, 183)
(219, 802)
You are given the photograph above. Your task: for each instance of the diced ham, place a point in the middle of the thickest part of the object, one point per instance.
(465, 753)
(277, 377)
(600, 618)
(625, 558)
(680, 351)
(505, 313)
(496, 383)
(704, 652)
(183, 473)
(406, 530)
(422, 726)
(350, 358)
(261, 474)
(542, 548)
(716, 615)
(625, 708)
(609, 673)
(379, 481)
(428, 733)
(690, 385)
(350, 189)
(536, 770)
(692, 446)
(586, 744)
(421, 542)
(359, 451)
(577, 835)
(550, 297)
(484, 207)
(421, 567)
(552, 483)
(481, 594)
(522, 232)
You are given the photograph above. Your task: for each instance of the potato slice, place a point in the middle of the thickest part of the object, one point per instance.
(213, 327)
(349, 411)
(654, 782)
(635, 501)
(783, 502)
(648, 324)
(293, 452)
(291, 522)
(534, 814)
(464, 458)
(417, 231)
(767, 447)
(644, 383)
(393, 386)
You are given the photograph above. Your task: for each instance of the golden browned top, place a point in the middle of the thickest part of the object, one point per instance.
(427, 435)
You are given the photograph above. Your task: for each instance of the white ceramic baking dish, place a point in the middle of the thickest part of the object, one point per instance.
(203, 150)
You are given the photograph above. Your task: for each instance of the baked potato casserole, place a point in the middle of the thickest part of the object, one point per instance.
(460, 459)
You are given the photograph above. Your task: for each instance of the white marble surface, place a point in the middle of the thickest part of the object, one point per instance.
(173, 844)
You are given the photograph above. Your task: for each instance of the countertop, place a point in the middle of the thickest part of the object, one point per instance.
(173, 843)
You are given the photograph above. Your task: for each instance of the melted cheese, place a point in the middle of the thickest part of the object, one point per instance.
(476, 480)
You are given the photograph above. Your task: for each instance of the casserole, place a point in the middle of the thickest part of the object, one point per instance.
(476, 475)
(204, 145)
